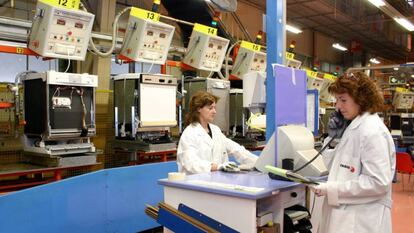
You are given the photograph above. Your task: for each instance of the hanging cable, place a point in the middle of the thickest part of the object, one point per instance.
(226, 62)
(315, 157)
(114, 34)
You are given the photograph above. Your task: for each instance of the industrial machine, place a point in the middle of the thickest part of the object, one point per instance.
(59, 110)
(145, 109)
(293, 63)
(205, 50)
(217, 87)
(403, 99)
(59, 32)
(236, 110)
(314, 83)
(402, 126)
(248, 110)
(324, 91)
(146, 39)
(249, 59)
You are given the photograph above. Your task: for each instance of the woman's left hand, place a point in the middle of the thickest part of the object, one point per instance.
(319, 190)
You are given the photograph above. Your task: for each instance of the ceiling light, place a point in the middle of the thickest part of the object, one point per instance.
(377, 3)
(375, 61)
(405, 23)
(338, 46)
(293, 29)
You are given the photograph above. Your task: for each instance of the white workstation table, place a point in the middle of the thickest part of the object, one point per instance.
(235, 199)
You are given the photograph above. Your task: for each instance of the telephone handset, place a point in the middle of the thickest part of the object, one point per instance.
(337, 124)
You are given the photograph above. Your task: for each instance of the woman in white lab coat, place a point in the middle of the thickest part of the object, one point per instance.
(203, 147)
(361, 166)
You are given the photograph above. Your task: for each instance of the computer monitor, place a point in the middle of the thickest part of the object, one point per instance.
(294, 142)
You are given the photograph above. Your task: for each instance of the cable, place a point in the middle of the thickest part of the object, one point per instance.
(114, 34)
(227, 59)
(313, 204)
(67, 68)
(152, 64)
(83, 109)
(316, 156)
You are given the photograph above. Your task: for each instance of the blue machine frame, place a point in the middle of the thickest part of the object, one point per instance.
(315, 98)
(276, 47)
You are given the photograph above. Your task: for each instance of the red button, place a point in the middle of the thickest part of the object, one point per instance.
(69, 33)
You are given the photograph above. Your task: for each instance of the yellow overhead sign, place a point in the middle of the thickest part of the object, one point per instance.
(401, 90)
(290, 56)
(69, 4)
(250, 46)
(330, 77)
(205, 29)
(311, 73)
(144, 14)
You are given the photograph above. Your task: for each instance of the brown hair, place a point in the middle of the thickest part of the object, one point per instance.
(198, 100)
(362, 89)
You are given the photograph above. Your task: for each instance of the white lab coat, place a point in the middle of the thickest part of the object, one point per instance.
(361, 169)
(197, 150)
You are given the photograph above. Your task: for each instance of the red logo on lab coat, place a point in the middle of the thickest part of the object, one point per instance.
(350, 168)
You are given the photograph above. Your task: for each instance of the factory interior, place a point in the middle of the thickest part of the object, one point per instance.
(101, 129)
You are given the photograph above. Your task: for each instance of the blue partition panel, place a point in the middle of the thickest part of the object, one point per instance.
(129, 191)
(110, 200)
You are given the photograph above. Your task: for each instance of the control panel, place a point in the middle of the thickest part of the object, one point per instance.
(206, 51)
(60, 78)
(249, 58)
(59, 32)
(314, 83)
(146, 39)
(403, 99)
(293, 63)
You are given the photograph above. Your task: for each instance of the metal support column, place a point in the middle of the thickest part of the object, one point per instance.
(276, 47)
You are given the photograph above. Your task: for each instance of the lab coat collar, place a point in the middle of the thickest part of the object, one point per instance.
(357, 121)
(202, 133)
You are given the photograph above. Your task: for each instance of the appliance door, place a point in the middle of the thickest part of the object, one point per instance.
(157, 105)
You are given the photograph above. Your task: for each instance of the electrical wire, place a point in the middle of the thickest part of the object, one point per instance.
(114, 34)
(124, 115)
(313, 204)
(83, 109)
(315, 157)
(228, 57)
(67, 68)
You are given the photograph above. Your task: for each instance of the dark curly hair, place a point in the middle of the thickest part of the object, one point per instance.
(362, 89)
(199, 100)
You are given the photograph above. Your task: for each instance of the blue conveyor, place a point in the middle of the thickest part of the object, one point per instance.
(111, 200)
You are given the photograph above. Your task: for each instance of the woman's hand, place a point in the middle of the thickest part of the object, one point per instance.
(214, 167)
(319, 190)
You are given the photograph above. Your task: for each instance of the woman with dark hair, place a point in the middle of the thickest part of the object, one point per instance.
(203, 147)
(361, 165)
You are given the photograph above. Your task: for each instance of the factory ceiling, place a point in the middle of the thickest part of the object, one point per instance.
(352, 20)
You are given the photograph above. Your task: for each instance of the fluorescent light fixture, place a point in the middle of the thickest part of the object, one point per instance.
(375, 61)
(293, 29)
(338, 46)
(377, 3)
(405, 23)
